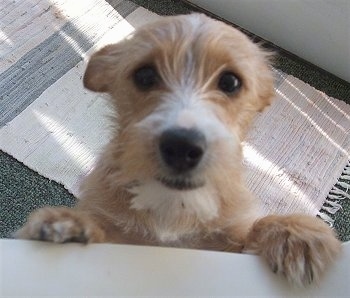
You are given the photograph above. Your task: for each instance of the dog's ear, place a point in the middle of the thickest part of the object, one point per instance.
(101, 69)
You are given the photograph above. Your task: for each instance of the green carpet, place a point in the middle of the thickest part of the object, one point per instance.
(23, 190)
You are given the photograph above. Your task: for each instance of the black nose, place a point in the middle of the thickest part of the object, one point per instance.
(182, 149)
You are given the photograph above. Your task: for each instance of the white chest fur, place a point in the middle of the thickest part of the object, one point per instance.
(170, 205)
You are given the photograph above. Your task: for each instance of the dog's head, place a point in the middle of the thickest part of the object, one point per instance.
(186, 89)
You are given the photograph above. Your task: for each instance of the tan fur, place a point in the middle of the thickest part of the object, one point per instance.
(297, 246)
(196, 49)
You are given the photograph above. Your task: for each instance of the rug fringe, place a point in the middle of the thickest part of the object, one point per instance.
(339, 191)
(326, 218)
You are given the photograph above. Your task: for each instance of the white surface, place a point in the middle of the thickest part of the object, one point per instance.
(36, 268)
(316, 30)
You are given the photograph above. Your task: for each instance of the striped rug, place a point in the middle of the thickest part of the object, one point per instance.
(295, 155)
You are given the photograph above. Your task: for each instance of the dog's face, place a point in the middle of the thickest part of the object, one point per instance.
(185, 88)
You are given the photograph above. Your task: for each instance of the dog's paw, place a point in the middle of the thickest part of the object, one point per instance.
(60, 225)
(297, 246)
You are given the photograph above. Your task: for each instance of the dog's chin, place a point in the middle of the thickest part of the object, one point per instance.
(180, 183)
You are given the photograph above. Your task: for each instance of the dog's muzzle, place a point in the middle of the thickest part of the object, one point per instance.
(182, 149)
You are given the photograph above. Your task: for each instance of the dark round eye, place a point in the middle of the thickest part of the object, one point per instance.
(145, 77)
(229, 83)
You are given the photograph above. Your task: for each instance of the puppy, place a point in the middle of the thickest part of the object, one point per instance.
(185, 90)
